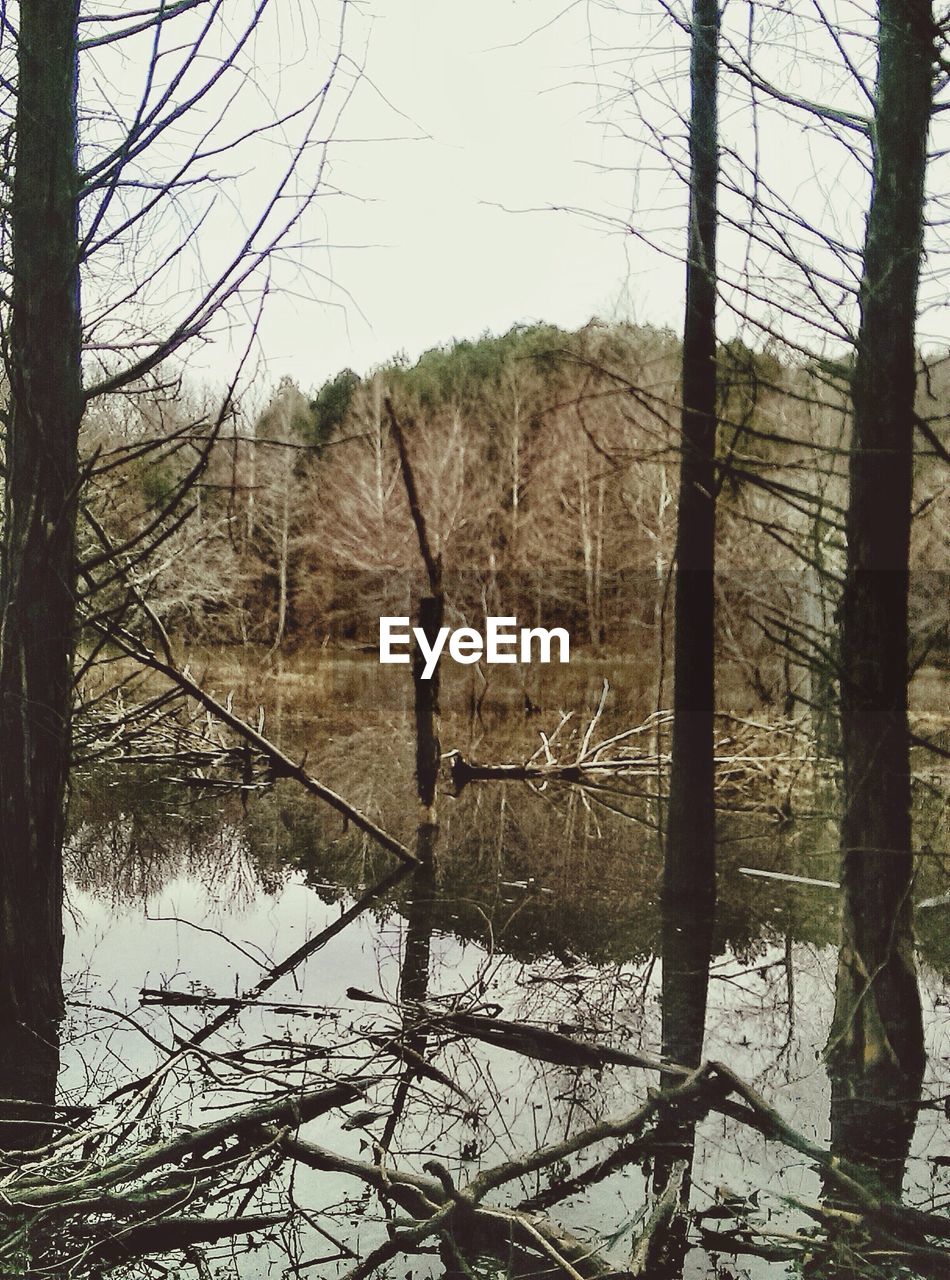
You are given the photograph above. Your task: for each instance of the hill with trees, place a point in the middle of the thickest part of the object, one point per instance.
(547, 467)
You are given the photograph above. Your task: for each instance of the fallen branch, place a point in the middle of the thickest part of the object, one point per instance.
(27, 1194)
(648, 1251)
(547, 1046)
(281, 765)
(712, 1087)
(848, 1177)
(571, 1256)
(438, 1206)
(748, 755)
(168, 1234)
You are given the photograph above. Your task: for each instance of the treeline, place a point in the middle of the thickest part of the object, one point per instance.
(547, 468)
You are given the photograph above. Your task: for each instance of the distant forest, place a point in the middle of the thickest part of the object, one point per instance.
(547, 465)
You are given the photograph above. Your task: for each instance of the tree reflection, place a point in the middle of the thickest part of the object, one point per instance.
(687, 934)
(875, 1099)
(873, 1117)
(413, 984)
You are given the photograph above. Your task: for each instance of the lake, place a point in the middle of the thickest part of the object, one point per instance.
(543, 908)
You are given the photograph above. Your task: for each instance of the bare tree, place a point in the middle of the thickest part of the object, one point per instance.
(137, 174)
(278, 500)
(690, 837)
(878, 1012)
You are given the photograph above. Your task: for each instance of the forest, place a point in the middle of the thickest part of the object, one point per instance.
(547, 467)
(632, 967)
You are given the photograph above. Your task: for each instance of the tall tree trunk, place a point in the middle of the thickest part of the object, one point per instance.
(426, 709)
(37, 570)
(426, 700)
(878, 1016)
(690, 848)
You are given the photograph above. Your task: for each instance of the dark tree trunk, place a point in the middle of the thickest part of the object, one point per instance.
(878, 1016)
(426, 707)
(37, 570)
(690, 850)
(873, 1119)
(689, 864)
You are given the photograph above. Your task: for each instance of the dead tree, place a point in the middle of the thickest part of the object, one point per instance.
(130, 193)
(878, 1015)
(426, 692)
(690, 838)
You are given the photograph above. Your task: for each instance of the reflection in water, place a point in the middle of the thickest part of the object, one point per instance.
(420, 913)
(875, 1100)
(874, 1108)
(873, 1120)
(413, 987)
(543, 904)
(876, 1051)
(686, 952)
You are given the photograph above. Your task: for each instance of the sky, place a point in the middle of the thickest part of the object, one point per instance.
(491, 163)
(458, 226)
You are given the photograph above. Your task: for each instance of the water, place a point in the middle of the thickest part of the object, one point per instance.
(544, 908)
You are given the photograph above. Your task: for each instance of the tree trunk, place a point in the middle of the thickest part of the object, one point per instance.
(878, 1016)
(37, 570)
(690, 847)
(283, 568)
(426, 708)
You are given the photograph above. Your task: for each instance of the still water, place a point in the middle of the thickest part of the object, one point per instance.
(544, 908)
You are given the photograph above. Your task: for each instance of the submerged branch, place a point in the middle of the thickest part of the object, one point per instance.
(135, 1202)
(748, 755)
(281, 764)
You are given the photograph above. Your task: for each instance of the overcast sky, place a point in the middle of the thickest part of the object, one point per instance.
(450, 232)
(484, 174)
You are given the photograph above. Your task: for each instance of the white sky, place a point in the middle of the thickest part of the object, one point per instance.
(431, 238)
(464, 162)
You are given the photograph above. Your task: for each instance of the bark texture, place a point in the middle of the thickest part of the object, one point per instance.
(37, 570)
(878, 1016)
(690, 850)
